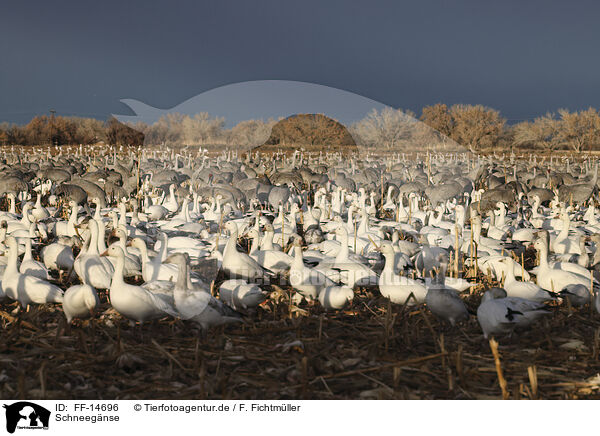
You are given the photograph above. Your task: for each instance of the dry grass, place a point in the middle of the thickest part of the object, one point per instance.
(371, 350)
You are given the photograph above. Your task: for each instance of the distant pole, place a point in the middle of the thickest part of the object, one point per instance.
(52, 112)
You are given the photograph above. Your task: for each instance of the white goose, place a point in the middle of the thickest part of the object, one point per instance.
(499, 314)
(24, 288)
(273, 260)
(352, 273)
(32, 267)
(240, 294)
(154, 269)
(307, 281)
(91, 268)
(198, 306)
(527, 290)
(58, 256)
(131, 301)
(171, 203)
(39, 212)
(240, 265)
(552, 279)
(564, 244)
(80, 301)
(335, 297)
(445, 302)
(397, 288)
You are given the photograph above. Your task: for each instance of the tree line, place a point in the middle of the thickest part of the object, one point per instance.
(474, 126)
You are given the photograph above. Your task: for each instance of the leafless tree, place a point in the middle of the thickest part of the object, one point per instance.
(250, 133)
(388, 127)
(541, 133)
(579, 129)
(476, 126)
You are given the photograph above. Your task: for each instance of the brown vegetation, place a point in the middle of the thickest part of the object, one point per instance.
(474, 127)
(310, 131)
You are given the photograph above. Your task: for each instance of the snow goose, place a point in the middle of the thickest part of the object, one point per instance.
(495, 232)
(182, 244)
(153, 269)
(133, 265)
(582, 260)
(240, 294)
(395, 287)
(335, 297)
(32, 267)
(67, 228)
(155, 212)
(58, 255)
(240, 265)
(23, 224)
(445, 302)
(564, 244)
(24, 288)
(276, 261)
(132, 301)
(353, 273)
(39, 212)
(91, 268)
(485, 246)
(307, 281)
(499, 314)
(80, 301)
(529, 291)
(389, 203)
(552, 279)
(429, 258)
(214, 213)
(171, 202)
(198, 306)
(267, 240)
(578, 295)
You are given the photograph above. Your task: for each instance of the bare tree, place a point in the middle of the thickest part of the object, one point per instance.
(250, 133)
(476, 126)
(388, 127)
(541, 133)
(438, 118)
(579, 129)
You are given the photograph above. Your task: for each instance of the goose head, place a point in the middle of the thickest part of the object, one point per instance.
(539, 243)
(178, 258)
(114, 251)
(231, 227)
(11, 243)
(137, 243)
(386, 248)
(341, 232)
(493, 294)
(253, 234)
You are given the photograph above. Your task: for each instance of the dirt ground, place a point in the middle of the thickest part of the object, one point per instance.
(373, 350)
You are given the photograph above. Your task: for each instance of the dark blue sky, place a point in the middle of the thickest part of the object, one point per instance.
(81, 58)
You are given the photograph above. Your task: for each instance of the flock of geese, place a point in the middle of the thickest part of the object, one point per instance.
(138, 229)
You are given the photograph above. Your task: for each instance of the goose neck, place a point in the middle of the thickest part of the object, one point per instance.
(344, 250)
(182, 276)
(119, 267)
(254, 245)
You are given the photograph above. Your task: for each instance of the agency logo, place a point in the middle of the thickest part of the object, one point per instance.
(26, 416)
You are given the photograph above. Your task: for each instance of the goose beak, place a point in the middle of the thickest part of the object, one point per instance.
(105, 254)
